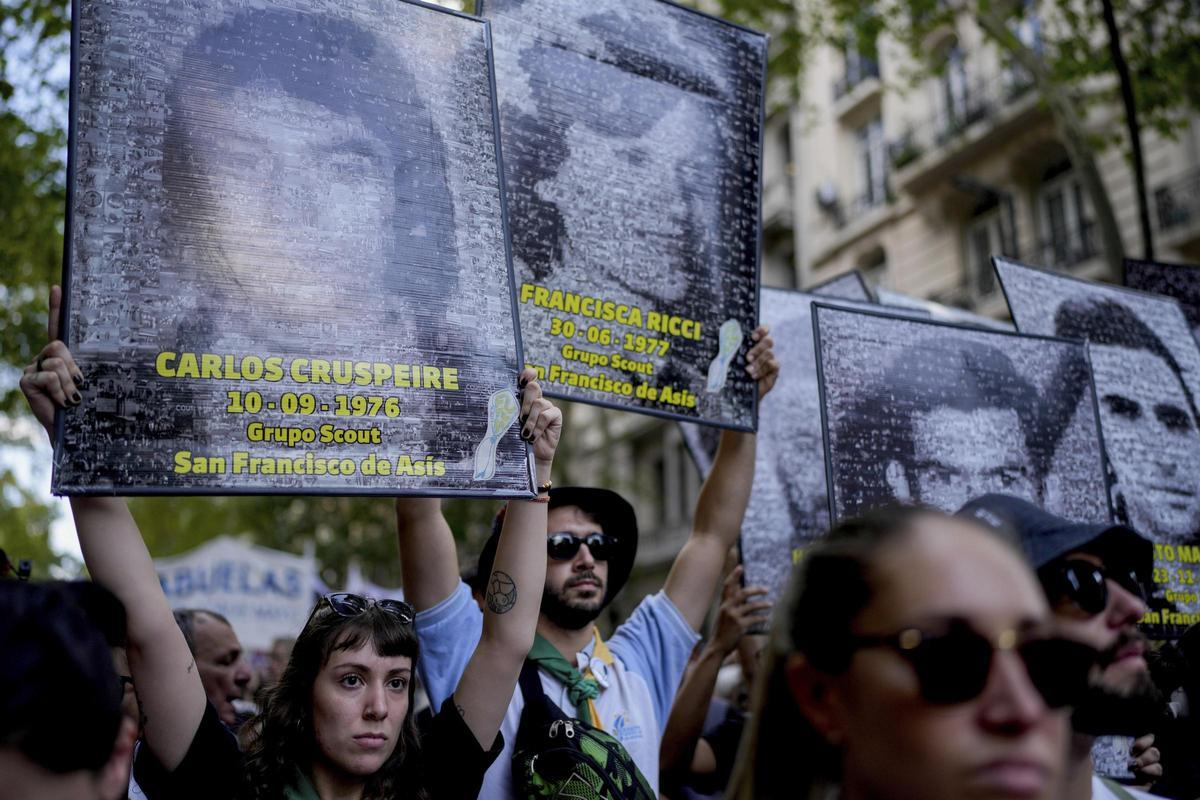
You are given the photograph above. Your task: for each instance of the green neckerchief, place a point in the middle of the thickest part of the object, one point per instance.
(579, 688)
(1117, 789)
(301, 789)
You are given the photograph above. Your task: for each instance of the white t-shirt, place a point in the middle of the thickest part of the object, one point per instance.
(650, 651)
(1101, 791)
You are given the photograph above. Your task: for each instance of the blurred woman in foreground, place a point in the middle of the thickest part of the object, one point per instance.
(914, 659)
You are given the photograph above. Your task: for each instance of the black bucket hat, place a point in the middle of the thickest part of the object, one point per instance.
(1046, 537)
(612, 513)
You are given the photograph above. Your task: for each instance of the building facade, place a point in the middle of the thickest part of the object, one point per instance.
(917, 188)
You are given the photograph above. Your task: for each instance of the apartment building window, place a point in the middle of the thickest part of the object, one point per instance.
(991, 232)
(873, 267)
(872, 165)
(1066, 227)
(1028, 29)
(953, 90)
(860, 61)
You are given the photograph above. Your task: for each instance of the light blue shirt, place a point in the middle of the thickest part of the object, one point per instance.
(650, 650)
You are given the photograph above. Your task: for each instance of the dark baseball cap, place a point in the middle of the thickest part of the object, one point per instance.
(1046, 537)
(612, 513)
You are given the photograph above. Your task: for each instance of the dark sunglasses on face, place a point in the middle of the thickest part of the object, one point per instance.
(954, 666)
(345, 604)
(1086, 584)
(563, 546)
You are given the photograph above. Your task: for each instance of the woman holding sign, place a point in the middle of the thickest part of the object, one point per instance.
(340, 721)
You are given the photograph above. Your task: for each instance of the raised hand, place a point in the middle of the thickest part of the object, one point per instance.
(53, 380)
(761, 363)
(740, 611)
(541, 420)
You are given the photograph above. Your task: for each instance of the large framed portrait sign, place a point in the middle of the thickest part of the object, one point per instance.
(632, 135)
(287, 266)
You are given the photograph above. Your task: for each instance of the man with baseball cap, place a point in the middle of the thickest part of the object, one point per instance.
(1093, 576)
(625, 684)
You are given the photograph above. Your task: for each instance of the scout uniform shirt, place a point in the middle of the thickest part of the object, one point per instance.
(649, 653)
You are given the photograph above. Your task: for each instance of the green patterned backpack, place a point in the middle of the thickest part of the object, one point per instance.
(555, 756)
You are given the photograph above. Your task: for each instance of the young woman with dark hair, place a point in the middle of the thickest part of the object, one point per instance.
(914, 659)
(339, 723)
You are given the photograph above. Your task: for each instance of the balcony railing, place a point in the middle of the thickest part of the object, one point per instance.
(1069, 248)
(983, 99)
(1177, 204)
(855, 74)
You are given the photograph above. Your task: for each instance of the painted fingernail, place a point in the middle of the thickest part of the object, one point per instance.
(79, 381)
(527, 434)
(523, 381)
(76, 398)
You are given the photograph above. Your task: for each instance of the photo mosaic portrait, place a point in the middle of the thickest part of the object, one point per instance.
(1146, 365)
(789, 501)
(1180, 281)
(926, 412)
(287, 263)
(632, 134)
(847, 286)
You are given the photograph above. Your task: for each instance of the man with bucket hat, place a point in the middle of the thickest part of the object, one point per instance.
(1094, 575)
(623, 685)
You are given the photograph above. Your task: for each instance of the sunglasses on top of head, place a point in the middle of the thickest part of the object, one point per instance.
(1085, 584)
(347, 604)
(563, 546)
(953, 666)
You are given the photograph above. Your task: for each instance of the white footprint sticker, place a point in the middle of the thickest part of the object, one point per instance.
(730, 338)
(502, 413)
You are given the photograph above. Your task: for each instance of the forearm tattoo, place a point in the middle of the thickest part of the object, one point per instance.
(501, 593)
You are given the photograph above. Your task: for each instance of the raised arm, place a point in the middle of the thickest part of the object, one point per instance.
(428, 558)
(514, 589)
(168, 686)
(682, 752)
(722, 502)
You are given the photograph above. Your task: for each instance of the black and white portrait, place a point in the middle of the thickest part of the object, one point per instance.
(632, 147)
(789, 501)
(1147, 373)
(316, 182)
(1180, 281)
(847, 286)
(927, 412)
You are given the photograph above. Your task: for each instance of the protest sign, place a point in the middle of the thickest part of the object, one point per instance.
(788, 505)
(928, 412)
(265, 594)
(917, 306)
(1173, 280)
(847, 286)
(1147, 372)
(287, 268)
(789, 501)
(632, 135)
(357, 583)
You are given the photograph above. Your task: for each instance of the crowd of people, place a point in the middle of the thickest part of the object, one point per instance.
(993, 653)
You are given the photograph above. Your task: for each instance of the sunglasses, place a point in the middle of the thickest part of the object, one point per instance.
(563, 546)
(953, 667)
(346, 604)
(1086, 585)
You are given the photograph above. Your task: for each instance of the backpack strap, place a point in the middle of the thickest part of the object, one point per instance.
(1117, 789)
(531, 683)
